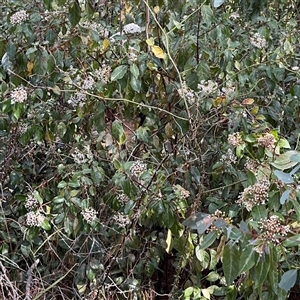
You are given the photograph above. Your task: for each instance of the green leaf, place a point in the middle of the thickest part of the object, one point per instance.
(213, 276)
(288, 280)
(118, 73)
(284, 177)
(47, 4)
(134, 71)
(261, 271)
(285, 196)
(231, 293)
(46, 225)
(230, 262)
(218, 3)
(74, 13)
(284, 161)
(142, 133)
(259, 212)
(207, 240)
(136, 83)
(273, 273)
(292, 241)
(202, 256)
(247, 259)
(118, 132)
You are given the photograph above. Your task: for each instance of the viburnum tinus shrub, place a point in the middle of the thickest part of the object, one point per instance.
(121, 129)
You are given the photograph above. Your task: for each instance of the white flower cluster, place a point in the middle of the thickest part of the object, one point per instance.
(31, 202)
(268, 141)
(89, 215)
(88, 83)
(121, 220)
(82, 157)
(132, 28)
(103, 74)
(251, 165)
(188, 93)
(207, 86)
(257, 41)
(19, 17)
(34, 218)
(123, 198)
(272, 230)
(235, 139)
(255, 194)
(132, 54)
(228, 89)
(18, 95)
(78, 99)
(138, 168)
(229, 158)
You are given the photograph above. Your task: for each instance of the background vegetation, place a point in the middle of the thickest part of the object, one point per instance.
(149, 149)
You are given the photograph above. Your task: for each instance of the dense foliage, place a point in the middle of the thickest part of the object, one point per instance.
(149, 149)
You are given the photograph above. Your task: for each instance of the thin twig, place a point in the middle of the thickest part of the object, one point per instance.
(29, 279)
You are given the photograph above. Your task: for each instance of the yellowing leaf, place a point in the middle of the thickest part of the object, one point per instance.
(248, 101)
(169, 241)
(254, 110)
(150, 42)
(219, 100)
(29, 67)
(156, 9)
(206, 293)
(158, 52)
(105, 44)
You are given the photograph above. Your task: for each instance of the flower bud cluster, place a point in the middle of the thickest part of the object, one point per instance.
(138, 168)
(18, 95)
(267, 140)
(229, 158)
(19, 17)
(88, 83)
(123, 198)
(121, 220)
(34, 218)
(187, 93)
(273, 230)
(235, 139)
(257, 41)
(89, 215)
(207, 86)
(103, 74)
(31, 202)
(255, 194)
(84, 156)
(132, 28)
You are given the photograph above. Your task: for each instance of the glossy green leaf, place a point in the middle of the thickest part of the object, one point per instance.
(285, 196)
(288, 280)
(261, 272)
(134, 70)
(259, 212)
(118, 132)
(283, 161)
(231, 257)
(207, 240)
(218, 3)
(202, 256)
(247, 259)
(74, 14)
(118, 73)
